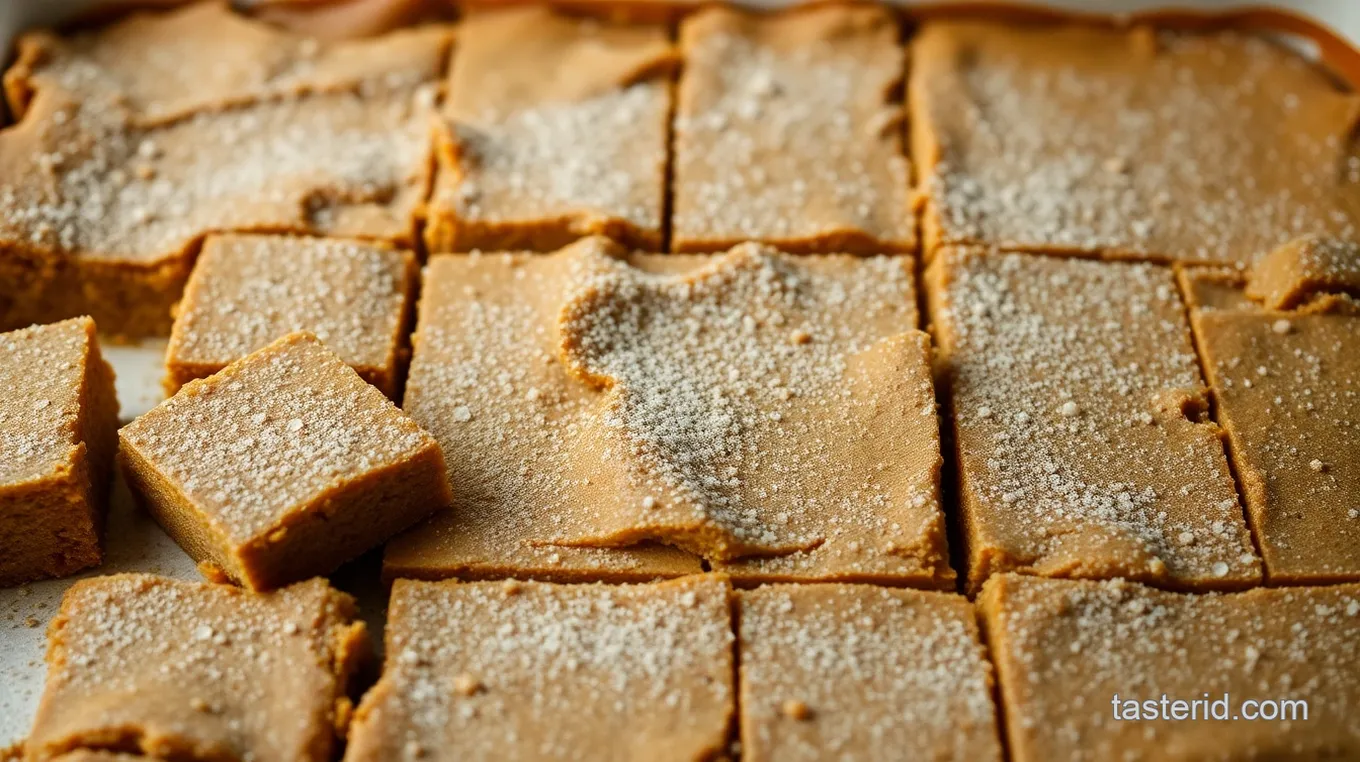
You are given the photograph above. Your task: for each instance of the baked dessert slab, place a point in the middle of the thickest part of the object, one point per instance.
(165, 669)
(248, 290)
(282, 466)
(1286, 387)
(862, 672)
(1079, 139)
(58, 424)
(516, 432)
(527, 670)
(747, 402)
(1079, 418)
(566, 138)
(767, 404)
(1066, 650)
(162, 66)
(105, 213)
(786, 132)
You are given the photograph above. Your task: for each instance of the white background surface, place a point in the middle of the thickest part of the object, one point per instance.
(135, 543)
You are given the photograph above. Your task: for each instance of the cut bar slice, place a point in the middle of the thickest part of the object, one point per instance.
(98, 216)
(282, 466)
(1078, 412)
(160, 67)
(860, 672)
(1286, 388)
(248, 290)
(787, 132)
(58, 424)
(533, 671)
(166, 669)
(564, 139)
(517, 433)
(1106, 140)
(1109, 670)
(750, 403)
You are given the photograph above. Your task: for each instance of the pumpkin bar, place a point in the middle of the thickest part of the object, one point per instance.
(167, 669)
(1079, 139)
(860, 672)
(767, 406)
(564, 139)
(101, 216)
(282, 466)
(247, 290)
(1080, 423)
(787, 132)
(770, 405)
(515, 430)
(163, 66)
(529, 671)
(58, 416)
(1114, 670)
(1286, 388)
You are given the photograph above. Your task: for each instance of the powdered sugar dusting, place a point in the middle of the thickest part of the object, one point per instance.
(482, 671)
(598, 158)
(517, 434)
(877, 670)
(793, 141)
(1290, 401)
(719, 405)
(1064, 649)
(84, 182)
(256, 676)
(41, 370)
(1086, 140)
(250, 290)
(272, 433)
(1131, 470)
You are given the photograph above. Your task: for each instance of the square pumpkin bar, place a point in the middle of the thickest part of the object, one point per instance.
(167, 669)
(248, 290)
(771, 413)
(1114, 670)
(1079, 139)
(861, 672)
(535, 671)
(163, 66)
(102, 211)
(282, 466)
(786, 132)
(564, 139)
(1080, 422)
(58, 418)
(1286, 386)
